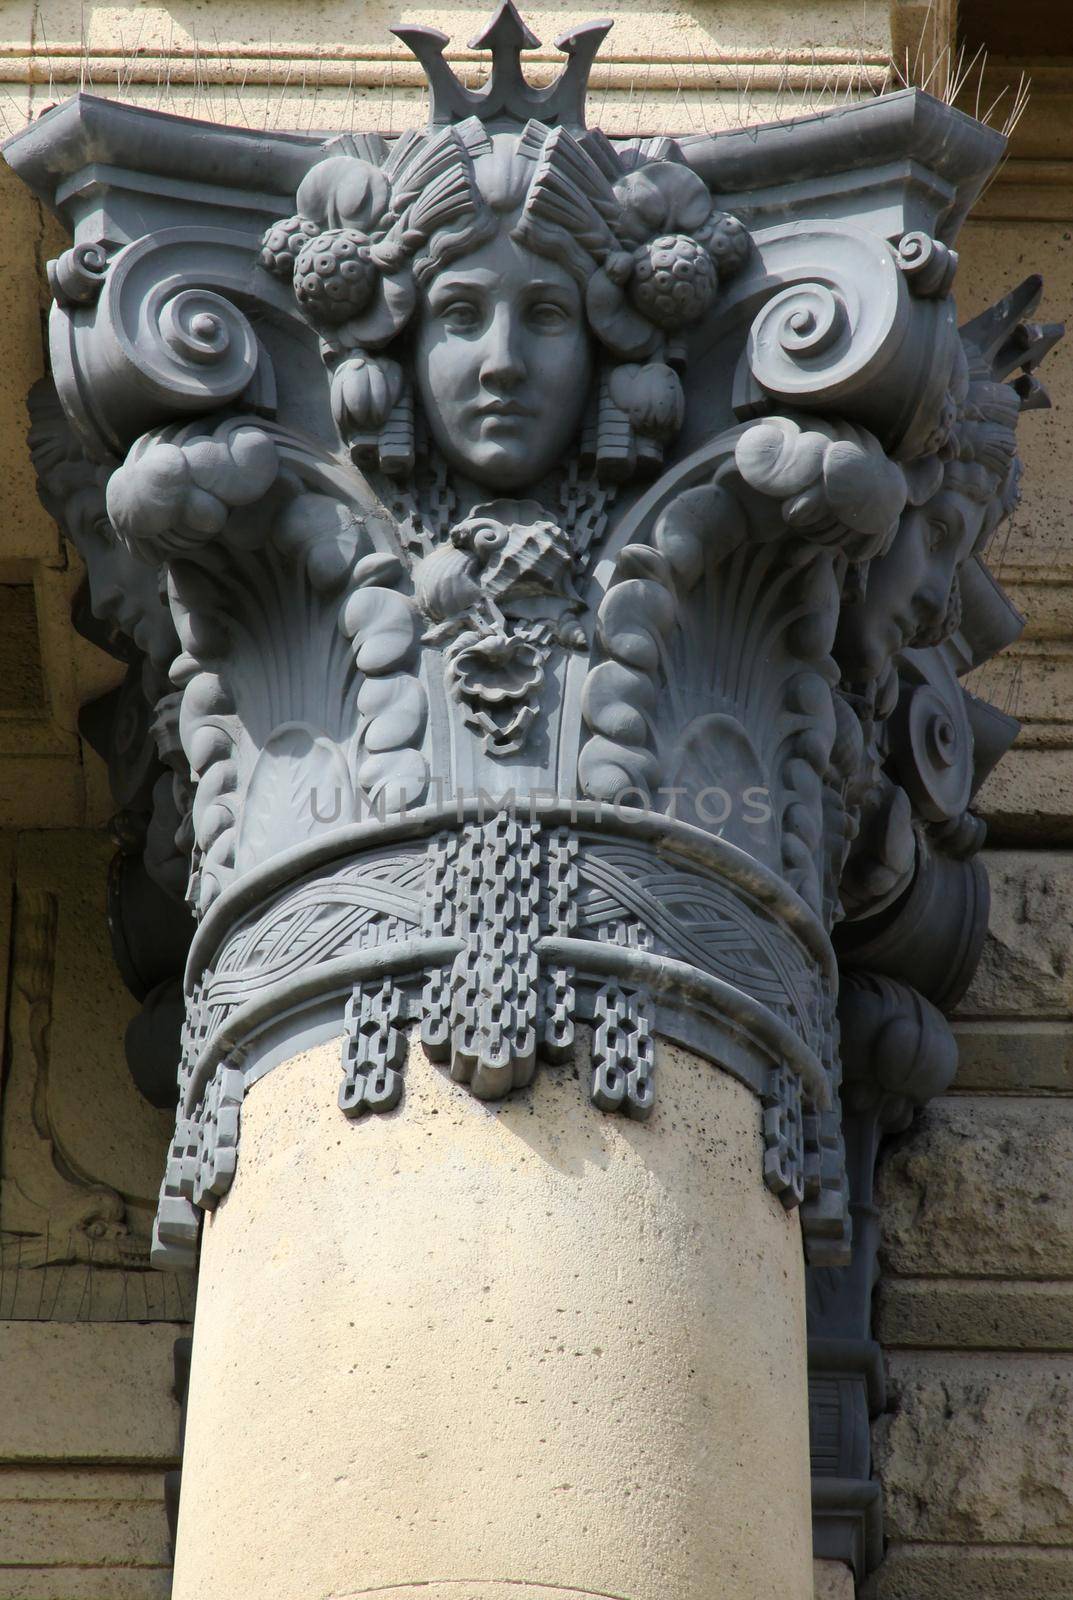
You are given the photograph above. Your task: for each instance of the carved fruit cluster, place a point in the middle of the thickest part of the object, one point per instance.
(284, 243)
(334, 279)
(677, 246)
(726, 239)
(673, 280)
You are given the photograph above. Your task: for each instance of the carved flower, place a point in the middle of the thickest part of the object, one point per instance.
(495, 666)
(344, 192)
(661, 197)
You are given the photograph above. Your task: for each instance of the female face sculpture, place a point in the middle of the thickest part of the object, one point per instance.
(124, 592)
(910, 588)
(503, 362)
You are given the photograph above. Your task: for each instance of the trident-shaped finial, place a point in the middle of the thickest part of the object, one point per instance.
(1007, 343)
(507, 98)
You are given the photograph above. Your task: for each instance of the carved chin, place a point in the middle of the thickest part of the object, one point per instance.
(865, 645)
(503, 463)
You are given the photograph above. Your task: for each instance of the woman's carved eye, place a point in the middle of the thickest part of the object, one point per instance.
(547, 316)
(937, 535)
(461, 316)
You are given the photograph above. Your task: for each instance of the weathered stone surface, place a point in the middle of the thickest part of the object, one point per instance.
(64, 976)
(978, 1448)
(66, 1483)
(980, 1187)
(651, 33)
(85, 1583)
(952, 1572)
(1015, 1055)
(833, 1580)
(28, 534)
(1036, 675)
(84, 1533)
(79, 1291)
(87, 1392)
(1025, 801)
(1025, 969)
(319, 63)
(987, 1315)
(506, 1377)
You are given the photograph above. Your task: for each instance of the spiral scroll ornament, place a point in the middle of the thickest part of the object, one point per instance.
(161, 339)
(201, 327)
(812, 339)
(196, 345)
(933, 748)
(77, 277)
(806, 322)
(853, 327)
(929, 265)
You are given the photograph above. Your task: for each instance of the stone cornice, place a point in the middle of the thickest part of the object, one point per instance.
(88, 131)
(905, 129)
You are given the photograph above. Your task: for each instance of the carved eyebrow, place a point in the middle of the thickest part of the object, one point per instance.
(485, 278)
(481, 278)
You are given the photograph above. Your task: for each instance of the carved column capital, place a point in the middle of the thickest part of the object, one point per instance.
(564, 572)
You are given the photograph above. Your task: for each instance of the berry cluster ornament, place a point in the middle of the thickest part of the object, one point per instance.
(333, 276)
(283, 243)
(726, 239)
(673, 281)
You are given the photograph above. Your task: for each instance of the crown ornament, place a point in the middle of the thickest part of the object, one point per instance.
(1005, 342)
(508, 98)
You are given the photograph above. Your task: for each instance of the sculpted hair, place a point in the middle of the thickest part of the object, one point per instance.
(534, 186)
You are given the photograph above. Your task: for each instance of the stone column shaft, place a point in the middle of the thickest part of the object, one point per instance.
(494, 1351)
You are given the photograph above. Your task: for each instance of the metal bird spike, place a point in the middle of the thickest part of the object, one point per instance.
(507, 98)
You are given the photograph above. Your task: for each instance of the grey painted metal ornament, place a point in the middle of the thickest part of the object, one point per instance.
(568, 584)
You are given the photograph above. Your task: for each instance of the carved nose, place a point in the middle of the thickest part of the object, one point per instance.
(502, 365)
(932, 603)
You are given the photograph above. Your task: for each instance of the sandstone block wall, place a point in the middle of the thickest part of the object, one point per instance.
(975, 1310)
(88, 1420)
(88, 1426)
(975, 1307)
